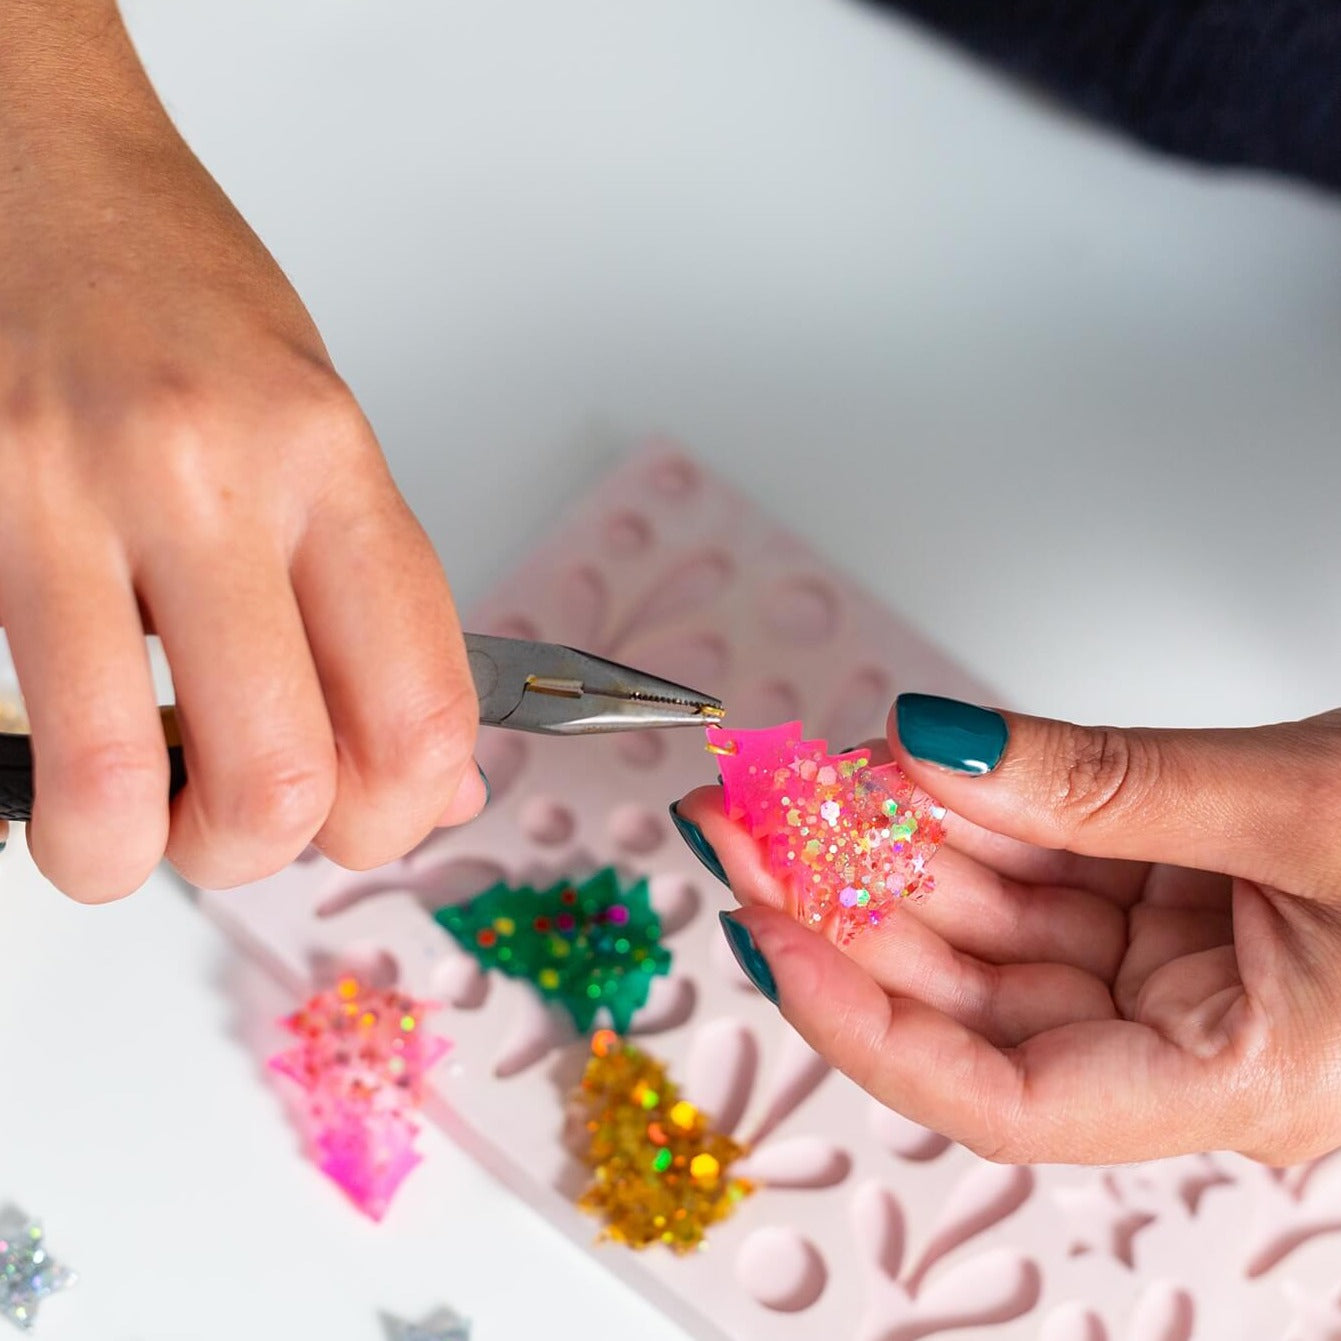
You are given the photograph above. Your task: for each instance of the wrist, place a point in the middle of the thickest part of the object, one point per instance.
(69, 79)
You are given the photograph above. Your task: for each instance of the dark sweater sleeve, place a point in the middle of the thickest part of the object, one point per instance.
(1248, 83)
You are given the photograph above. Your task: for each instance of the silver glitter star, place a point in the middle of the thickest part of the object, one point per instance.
(442, 1325)
(28, 1273)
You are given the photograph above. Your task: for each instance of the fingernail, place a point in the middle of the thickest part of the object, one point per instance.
(748, 956)
(954, 735)
(698, 844)
(488, 790)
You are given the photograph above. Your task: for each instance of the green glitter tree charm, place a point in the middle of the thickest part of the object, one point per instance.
(584, 946)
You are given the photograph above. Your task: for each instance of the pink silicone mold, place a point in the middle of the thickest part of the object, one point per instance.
(870, 1227)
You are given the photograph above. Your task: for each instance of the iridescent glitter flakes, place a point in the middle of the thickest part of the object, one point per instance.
(849, 840)
(361, 1060)
(585, 945)
(28, 1272)
(661, 1174)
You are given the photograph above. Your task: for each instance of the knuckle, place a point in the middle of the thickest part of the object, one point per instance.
(1098, 771)
(113, 775)
(431, 744)
(285, 798)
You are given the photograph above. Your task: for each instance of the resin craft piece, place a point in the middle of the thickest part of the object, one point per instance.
(361, 1060)
(28, 1272)
(582, 945)
(441, 1325)
(849, 839)
(660, 1170)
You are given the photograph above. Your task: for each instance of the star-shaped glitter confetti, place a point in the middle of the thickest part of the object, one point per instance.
(441, 1325)
(361, 1059)
(660, 1171)
(28, 1272)
(585, 946)
(849, 840)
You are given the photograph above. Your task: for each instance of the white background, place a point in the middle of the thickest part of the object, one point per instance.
(1072, 410)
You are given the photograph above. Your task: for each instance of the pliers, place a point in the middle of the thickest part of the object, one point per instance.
(522, 686)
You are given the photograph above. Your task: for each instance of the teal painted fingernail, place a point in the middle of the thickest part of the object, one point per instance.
(954, 735)
(748, 956)
(488, 790)
(698, 844)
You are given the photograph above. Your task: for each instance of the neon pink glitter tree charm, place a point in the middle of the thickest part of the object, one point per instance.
(848, 839)
(361, 1060)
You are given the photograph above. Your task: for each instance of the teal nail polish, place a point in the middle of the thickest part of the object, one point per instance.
(488, 790)
(698, 844)
(950, 734)
(748, 956)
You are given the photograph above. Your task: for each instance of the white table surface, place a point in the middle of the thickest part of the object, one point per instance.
(1074, 411)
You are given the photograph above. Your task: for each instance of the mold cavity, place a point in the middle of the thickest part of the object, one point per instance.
(1073, 1322)
(461, 981)
(641, 749)
(674, 478)
(626, 535)
(721, 1070)
(698, 661)
(906, 1139)
(546, 822)
(1165, 1313)
(581, 607)
(781, 1269)
(863, 704)
(769, 703)
(676, 902)
(984, 1197)
(635, 829)
(801, 610)
(670, 1003)
(878, 1224)
(689, 584)
(802, 1161)
(515, 626)
(1280, 1246)
(796, 1075)
(535, 1033)
(995, 1288)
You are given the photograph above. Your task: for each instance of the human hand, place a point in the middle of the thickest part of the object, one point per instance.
(179, 455)
(1133, 949)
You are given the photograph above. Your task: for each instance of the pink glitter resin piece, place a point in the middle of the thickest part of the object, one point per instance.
(849, 840)
(361, 1059)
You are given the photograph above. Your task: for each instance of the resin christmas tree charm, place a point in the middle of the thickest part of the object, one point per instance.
(660, 1171)
(848, 839)
(586, 946)
(361, 1060)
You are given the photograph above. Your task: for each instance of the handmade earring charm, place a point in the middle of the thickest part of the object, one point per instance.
(848, 839)
(585, 945)
(28, 1272)
(361, 1059)
(661, 1173)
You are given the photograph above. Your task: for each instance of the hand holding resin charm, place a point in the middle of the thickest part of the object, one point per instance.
(849, 840)
(1134, 949)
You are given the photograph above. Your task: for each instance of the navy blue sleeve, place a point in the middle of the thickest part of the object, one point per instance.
(1248, 83)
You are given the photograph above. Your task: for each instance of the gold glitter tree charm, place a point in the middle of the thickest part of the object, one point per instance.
(661, 1173)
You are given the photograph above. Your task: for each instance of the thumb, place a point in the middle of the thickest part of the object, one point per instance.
(1262, 803)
